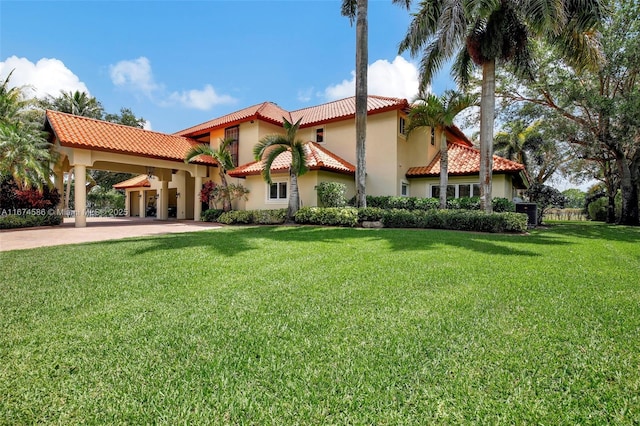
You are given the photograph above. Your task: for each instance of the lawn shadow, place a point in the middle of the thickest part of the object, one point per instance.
(597, 231)
(231, 241)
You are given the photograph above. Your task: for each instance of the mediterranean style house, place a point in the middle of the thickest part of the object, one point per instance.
(166, 186)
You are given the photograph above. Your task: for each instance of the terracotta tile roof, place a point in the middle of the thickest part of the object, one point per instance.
(134, 182)
(270, 112)
(463, 160)
(318, 158)
(86, 133)
(267, 111)
(345, 108)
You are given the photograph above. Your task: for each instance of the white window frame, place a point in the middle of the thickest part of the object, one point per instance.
(457, 188)
(278, 182)
(402, 127)
(405, 185)
(324, 135)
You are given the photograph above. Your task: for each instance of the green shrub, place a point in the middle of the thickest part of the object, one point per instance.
(211, 215)
(502, 205)
(269, 217)
(598, 209)
(461, 220)
(332, 194)
(13, 221)
(332, 216)
(236, 217)
(466, 203)
(370, 214)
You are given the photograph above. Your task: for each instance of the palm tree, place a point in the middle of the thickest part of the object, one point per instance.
(357, 10)
(24, 152)
(517, 141)
(222, 155)
(488, 31)
(436, 112)
(25, 155)
(271, 146)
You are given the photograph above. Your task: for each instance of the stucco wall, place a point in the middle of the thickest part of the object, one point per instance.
(420, 187)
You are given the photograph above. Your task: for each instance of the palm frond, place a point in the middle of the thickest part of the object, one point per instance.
(349, 9)
(197, 150)
(263, 146)
(432, 62)
(271, 156)
(423, 27)
(298, 159)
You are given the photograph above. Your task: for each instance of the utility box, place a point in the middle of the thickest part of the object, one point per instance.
(531, 210)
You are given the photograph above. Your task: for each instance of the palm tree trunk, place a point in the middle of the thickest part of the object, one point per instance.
(362, 59)
(444, 169)
(294, 196)
(487, 114)
(226, 197)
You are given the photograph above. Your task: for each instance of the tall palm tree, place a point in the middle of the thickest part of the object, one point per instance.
(484, 32)
(222, 155)
(358, 10)
(438, 113)
(271, 146)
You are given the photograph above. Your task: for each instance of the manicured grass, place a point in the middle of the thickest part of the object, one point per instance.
(296, 325)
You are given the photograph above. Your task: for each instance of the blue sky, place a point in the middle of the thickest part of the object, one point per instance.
(180, 63)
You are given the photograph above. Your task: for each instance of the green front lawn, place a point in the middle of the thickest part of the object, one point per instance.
(296, 325)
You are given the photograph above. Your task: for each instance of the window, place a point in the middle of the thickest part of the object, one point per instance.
(404, 191)
(320, 135)
(402, 126)
(433, 136)
(457, 191)
(277, 191)
(233, 133)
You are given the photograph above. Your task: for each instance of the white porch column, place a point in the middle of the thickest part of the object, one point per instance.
(127, 201)
(59, 185)
(181, 193)
(80, 199)
(163, 201)
(197, 205)
(142, 203)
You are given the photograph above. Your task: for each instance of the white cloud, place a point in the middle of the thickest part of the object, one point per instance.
(147, 125)
(305, 95)
(396, 79)
(48, 76)
(201, 99)
(135, 74)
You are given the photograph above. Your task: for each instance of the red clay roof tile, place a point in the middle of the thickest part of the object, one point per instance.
(463, 160)
(86, 133)
(318, 158)
(271, 112)
(134, 182)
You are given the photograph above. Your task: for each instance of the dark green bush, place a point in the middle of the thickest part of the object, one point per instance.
(211, 215)
(28, 221)
(332, 216)
(502, 205)
(269, 217)
(461, 220)
(408, 203)
(332, 194)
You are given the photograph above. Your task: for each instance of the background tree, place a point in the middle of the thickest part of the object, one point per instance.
(271, 146)
(602, 104)
(545, 197)
(25, 154)
(483, 33)
(438, 113)
(223, 157)
(126, 118)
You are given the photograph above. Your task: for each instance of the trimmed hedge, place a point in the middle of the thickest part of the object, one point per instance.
(388, 202)
(461, 220)
(329, 216)
(13, 221)
(260, 217)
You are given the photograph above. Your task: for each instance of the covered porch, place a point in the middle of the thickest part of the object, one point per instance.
(83, 144)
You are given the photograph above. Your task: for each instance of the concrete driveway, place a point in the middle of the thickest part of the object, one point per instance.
(98, 229)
